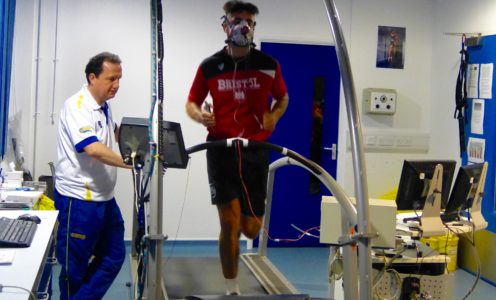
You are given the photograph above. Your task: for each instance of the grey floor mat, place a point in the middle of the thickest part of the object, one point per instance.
(186, 276)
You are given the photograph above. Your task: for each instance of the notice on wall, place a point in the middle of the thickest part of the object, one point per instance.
(486, 81)
(473, 81)
(477, 122)
(475, 150)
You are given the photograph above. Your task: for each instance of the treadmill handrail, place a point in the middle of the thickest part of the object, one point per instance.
(257, 144)
(292, 158)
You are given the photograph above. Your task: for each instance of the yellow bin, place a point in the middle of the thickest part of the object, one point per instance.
(432, 242)
(448, 244)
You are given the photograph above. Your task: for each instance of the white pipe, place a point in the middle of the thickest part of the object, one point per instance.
(36, 88)
(52, 115)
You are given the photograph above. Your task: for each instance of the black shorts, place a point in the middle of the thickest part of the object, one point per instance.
(225, 181)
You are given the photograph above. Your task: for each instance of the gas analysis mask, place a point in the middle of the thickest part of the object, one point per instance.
(239, 32)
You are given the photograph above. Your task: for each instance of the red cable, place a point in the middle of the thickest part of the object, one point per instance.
(247, 195)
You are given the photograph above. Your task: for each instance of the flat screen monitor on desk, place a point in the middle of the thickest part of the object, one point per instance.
(463, 191)
(415, 179)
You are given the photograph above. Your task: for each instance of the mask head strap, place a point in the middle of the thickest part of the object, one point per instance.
(224, 19)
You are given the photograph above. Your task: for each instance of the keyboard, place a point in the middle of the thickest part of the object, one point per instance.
(16, 233)
(14, 205)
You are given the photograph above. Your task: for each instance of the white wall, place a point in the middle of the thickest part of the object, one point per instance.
(192, 31)
(413, 83)
(84, 28)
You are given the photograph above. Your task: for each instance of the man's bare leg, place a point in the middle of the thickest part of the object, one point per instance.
(229, 216)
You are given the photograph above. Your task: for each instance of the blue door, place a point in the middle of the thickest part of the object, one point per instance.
(310, 128)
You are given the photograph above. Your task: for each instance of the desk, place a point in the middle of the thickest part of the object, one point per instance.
(27, 268)
(458, 227)
(429, 270)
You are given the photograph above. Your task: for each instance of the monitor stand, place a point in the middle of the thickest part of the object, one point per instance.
(475, 212)
(430, 220)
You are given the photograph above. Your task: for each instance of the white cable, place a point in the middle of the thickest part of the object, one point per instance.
(136, 199)
(304, 232)
(181, 214)
(135, 283)
(397, 292)
(335, 267)
(387, 264)
(145, 217)
(31, 294)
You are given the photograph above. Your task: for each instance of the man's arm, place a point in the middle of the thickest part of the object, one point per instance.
(278, 108)
(99, 151)
(202, 117)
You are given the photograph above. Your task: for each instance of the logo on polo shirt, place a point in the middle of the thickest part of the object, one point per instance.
(85, 129)
(238, 84)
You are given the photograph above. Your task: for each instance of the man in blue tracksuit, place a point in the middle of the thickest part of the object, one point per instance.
(90, 238)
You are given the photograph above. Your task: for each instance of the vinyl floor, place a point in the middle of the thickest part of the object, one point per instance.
(305, 268)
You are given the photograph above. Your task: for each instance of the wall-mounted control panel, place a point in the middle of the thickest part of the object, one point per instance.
(379, 101)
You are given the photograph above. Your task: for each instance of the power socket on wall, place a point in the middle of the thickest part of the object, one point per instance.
(388, 140)
(379, 101)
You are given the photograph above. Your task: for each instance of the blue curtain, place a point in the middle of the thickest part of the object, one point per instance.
(7, 16)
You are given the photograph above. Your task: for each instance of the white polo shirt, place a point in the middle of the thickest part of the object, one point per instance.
(82, 122)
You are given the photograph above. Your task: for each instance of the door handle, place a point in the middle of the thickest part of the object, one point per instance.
(333, 150)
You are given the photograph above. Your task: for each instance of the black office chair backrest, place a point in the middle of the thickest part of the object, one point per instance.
(50, 184)
(50, 181)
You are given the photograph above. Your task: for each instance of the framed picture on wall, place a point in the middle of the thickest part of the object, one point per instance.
(391, 47)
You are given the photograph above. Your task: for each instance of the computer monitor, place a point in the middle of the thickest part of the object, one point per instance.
(415, 179)
(175, 155)
(463, 192)
(133, 139)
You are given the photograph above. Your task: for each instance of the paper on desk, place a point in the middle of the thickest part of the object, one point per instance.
(20, 196)
(7, 256)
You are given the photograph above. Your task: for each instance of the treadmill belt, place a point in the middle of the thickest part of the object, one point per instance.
(189, 276)
(253, 297)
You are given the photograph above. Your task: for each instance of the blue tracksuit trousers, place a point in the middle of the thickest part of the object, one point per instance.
(90, 246)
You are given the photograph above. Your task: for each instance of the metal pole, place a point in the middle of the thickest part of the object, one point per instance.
(264, 238)
(36, 88)
(155, 234)
(350, 285)
(361, 189)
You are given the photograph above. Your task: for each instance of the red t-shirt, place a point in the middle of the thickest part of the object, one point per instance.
(241, 89)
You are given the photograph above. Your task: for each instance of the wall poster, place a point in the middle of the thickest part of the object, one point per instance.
(391, 47)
